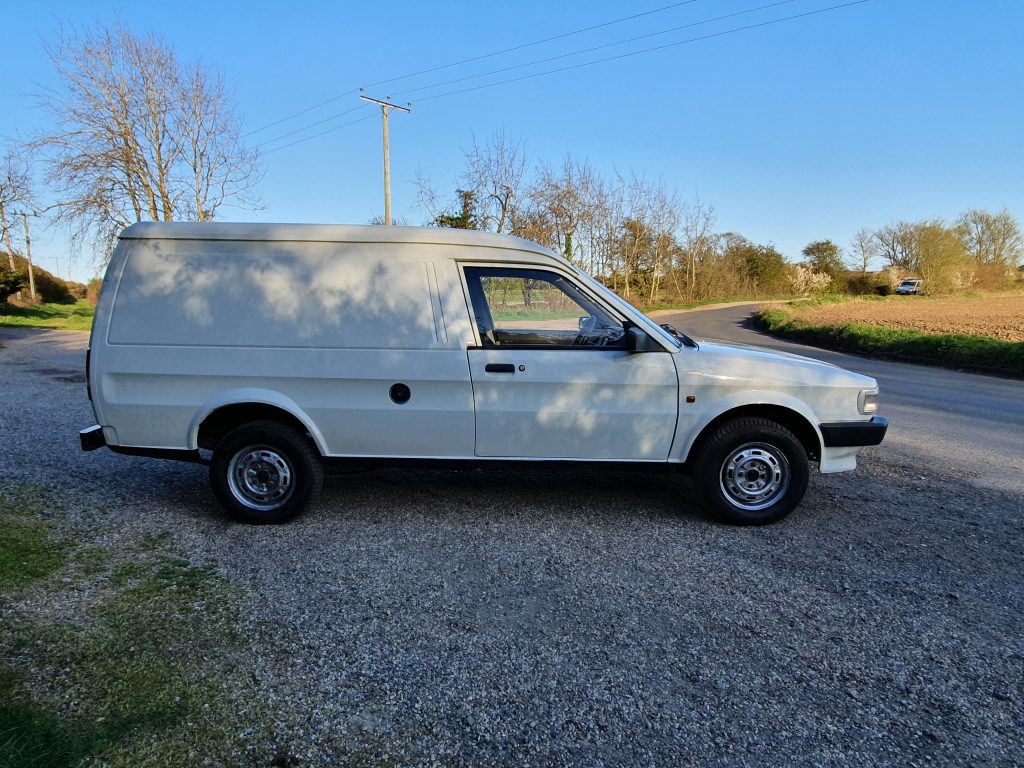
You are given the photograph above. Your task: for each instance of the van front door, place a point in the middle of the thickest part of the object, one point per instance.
(552, 377)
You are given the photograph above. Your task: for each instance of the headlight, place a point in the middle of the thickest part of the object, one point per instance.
(867, 401)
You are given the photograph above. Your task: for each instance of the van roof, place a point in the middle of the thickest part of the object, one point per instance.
(329, 233)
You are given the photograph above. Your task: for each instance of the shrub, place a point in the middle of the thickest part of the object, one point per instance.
(10, 283)
(77, 291)
(864, 283)
(52, 290)
(805, 280)
(92, 290)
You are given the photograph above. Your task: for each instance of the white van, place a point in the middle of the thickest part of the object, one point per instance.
(270, 350)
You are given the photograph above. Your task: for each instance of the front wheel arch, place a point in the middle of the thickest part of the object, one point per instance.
(785, 417)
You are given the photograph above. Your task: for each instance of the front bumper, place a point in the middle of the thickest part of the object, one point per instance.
(850, 434)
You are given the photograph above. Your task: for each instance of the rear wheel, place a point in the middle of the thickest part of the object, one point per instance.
(751, 471)
(265, 472)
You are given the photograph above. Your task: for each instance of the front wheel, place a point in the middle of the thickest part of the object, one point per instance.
(751, 471)
(265, 472)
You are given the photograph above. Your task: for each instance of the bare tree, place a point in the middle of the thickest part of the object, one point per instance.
(14, 191)
(863, 249)
(140, 137)
(992, 239)
(649, 243)
(600, 228)
(697, 245)
(897, 244)
(563, 197)
(494, 174)
(426, 196)
(217, 166)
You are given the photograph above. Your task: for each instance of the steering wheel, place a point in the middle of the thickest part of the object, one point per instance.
(587, 329)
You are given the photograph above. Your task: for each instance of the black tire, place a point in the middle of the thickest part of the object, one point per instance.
(750, 471)
(266, 472)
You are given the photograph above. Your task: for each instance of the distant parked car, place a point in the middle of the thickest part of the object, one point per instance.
(909, 286)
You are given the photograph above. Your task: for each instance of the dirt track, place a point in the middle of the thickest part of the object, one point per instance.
(1001, 316)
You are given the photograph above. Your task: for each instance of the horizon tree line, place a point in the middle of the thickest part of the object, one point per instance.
(139, 135)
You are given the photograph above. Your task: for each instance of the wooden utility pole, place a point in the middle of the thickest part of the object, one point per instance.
(28, 258)
(385, 106)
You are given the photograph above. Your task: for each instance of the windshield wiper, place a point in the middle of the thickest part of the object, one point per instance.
(676, 334)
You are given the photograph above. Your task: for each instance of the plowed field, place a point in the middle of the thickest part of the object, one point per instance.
(999, 316)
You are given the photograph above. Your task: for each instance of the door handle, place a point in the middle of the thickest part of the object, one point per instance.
(500, 368)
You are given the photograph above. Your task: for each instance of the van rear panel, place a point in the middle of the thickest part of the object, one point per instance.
(277, 294)
(321, 330)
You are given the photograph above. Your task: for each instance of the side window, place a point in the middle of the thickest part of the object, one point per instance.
(537, 308)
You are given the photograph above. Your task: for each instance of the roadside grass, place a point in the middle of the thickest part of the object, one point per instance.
(980, 354)
(115, 658)
(28, 548)
(69, 317)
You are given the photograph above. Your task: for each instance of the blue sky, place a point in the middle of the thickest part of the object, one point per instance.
(796, 131)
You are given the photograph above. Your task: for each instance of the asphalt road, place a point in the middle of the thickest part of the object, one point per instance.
(959, 421)
(545, 618)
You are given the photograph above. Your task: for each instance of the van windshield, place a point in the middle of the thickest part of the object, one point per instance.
(650, 326)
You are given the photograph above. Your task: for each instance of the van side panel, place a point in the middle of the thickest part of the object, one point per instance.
(276, 294)
(327, 327)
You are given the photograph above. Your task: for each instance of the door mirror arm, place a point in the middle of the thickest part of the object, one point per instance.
(638, 341)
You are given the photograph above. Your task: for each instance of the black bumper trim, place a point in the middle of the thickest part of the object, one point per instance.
(173, 454)
(92, 438)
(850, 434)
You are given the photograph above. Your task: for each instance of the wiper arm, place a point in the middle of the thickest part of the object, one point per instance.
(686, 340)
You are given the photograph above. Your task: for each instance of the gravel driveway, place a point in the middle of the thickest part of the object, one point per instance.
(585, 618)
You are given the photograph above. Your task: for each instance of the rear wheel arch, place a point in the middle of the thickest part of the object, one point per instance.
(222, 420)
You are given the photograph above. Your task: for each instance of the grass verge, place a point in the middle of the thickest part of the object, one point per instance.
(68, 317)
(981, 354)
(115, 660)
(28, 548)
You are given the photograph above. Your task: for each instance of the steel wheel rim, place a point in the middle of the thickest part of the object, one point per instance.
(260, 478)
(755, 476)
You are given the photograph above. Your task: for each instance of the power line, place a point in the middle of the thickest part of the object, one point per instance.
(596, 47)
(645, 50)
(468, 61)
(300, 112)
(582, 64)
(535, 42)
(313, 125)
(317, 135)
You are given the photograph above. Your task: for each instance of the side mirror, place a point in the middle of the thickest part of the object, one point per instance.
(638, 341)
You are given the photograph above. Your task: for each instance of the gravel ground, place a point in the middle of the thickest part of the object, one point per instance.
(471, 618)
